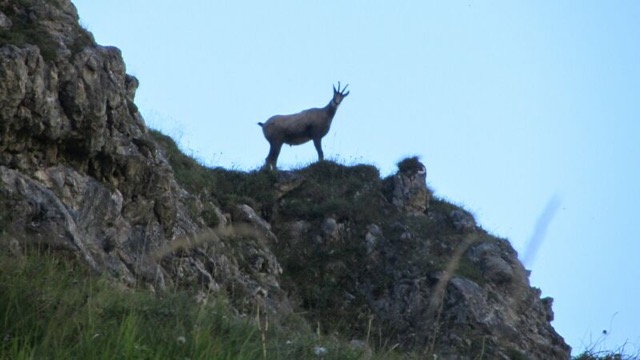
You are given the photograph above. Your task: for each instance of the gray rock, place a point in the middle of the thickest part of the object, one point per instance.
(79, 170)
(287, 181)
(249, 215)
(410, 193)
(330, 229)
(5, 22)
(497, 270)
(498, 265)
(373, 238)
(469, 302)
(547, 303)
(462, 220)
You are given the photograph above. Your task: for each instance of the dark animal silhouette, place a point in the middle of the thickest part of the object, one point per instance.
(295, 129)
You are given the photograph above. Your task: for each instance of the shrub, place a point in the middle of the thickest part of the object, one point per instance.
(410, 165)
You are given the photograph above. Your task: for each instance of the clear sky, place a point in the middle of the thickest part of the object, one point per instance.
(525, 113)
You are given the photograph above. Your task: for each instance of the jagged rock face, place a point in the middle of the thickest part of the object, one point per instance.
(436, 282)
(410, 193)
(483, 304)
(71, 129)
(79, 171)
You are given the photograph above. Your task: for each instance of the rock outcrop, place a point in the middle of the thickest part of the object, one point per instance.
(435, 282)
(80, 172)
(409, 191)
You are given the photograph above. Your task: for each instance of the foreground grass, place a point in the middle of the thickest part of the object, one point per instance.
(51, 307)
(619, 354)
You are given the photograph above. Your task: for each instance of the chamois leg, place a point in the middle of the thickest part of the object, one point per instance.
(272, 158)
(318, 144)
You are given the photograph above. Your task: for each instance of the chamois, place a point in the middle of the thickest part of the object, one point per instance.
(311, 124)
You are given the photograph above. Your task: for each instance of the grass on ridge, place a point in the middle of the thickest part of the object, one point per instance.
(52, 307)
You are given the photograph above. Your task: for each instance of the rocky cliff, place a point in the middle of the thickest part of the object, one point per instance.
(364, 257)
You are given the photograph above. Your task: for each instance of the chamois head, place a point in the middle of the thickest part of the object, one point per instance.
(338, 95)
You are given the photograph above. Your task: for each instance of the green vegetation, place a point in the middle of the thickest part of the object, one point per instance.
(322, 277)
(222, 187)
(606, 355)
(595, 352)
(338, 191)
(52, 307)
(26, 30)
(410, 165)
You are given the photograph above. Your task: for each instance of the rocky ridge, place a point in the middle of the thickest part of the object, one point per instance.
(81, 172)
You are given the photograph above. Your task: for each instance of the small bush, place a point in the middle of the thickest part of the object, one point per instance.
(410, 165)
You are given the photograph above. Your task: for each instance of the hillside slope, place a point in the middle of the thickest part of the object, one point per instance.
(363, 257)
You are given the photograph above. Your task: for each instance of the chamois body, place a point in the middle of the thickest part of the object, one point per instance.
(295, 129)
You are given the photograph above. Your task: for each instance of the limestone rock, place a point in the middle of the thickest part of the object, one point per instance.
(330, 229)
(548, 307)
(462, 220)
(497, 263)
(5, 22)
(40, 216)
(468, 301)
(80, 171)
(497, 269)
(287, 181)
(373, 238)
(298, 231)
(410, 193)
(249, 215)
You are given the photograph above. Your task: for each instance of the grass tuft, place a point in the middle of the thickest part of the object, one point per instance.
(410, 165)
(52, 306)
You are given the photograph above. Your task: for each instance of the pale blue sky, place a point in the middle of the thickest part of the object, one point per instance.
(511, 106)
